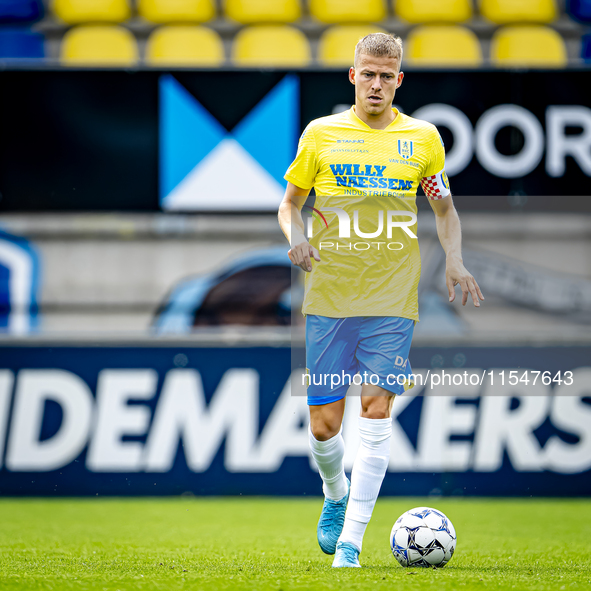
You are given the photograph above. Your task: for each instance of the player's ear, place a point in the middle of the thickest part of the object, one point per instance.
(399, 80)
(352, 75)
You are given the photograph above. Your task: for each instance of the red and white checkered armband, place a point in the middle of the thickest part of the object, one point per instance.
(436, 186)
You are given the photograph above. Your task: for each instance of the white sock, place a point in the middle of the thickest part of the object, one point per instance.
(328, 456)
(368, 473)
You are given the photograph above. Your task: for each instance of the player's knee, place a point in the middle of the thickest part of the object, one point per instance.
(324, 429)
(377, 408)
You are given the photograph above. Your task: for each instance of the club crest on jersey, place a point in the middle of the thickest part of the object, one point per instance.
(405, 149)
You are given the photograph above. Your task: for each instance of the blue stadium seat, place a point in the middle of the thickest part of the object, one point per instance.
(580, 10)
(586, 48)
(18, 11)
(21, 43)
(193, 301)
(19, 282)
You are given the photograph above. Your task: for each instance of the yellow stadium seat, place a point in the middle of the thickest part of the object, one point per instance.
(271, 46)
(443, 46)
(75, 12)
(184, 45)
(531, 46)
(177, 11)
(348, 11)
(337, 44)
(250, 12)
(434, 11)
(504, 12)
(99, 46)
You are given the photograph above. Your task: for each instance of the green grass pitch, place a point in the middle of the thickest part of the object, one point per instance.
(270, 544)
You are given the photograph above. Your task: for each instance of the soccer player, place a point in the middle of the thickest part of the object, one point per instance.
(363, 268)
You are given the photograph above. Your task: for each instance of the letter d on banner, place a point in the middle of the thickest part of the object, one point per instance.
(35, 386)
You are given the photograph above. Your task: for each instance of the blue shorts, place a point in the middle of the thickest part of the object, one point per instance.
(376, 347)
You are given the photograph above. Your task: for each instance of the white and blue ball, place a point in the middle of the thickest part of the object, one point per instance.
(423, 537)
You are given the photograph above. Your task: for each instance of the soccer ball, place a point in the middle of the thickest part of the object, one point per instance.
(423, 537)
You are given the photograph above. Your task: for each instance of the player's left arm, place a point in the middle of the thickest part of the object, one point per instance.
(450, 236)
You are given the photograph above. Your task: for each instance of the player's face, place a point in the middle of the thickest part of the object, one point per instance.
(376, 80)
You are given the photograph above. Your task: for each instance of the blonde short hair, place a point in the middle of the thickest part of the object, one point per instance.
(380, 45)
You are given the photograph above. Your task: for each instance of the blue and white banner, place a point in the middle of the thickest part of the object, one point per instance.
(205, 167)
(19, 280)
(119, 420)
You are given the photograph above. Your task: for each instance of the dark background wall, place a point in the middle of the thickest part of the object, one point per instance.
(89, 140)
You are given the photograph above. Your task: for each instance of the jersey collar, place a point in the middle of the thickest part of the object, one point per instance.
(356, 121)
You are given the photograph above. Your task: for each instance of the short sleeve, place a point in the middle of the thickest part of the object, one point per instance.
(303, 169)
(435, 182)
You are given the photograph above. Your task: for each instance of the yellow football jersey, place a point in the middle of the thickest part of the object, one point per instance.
(364, 220)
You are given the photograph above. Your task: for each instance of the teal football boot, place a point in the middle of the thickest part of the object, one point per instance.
(330, 524)
(347, 556)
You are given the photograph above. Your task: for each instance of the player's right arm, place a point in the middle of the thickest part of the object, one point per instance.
(300, 177)
(292, 224)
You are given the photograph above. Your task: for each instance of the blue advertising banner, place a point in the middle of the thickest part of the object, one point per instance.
(125, 139)
(163, 420)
